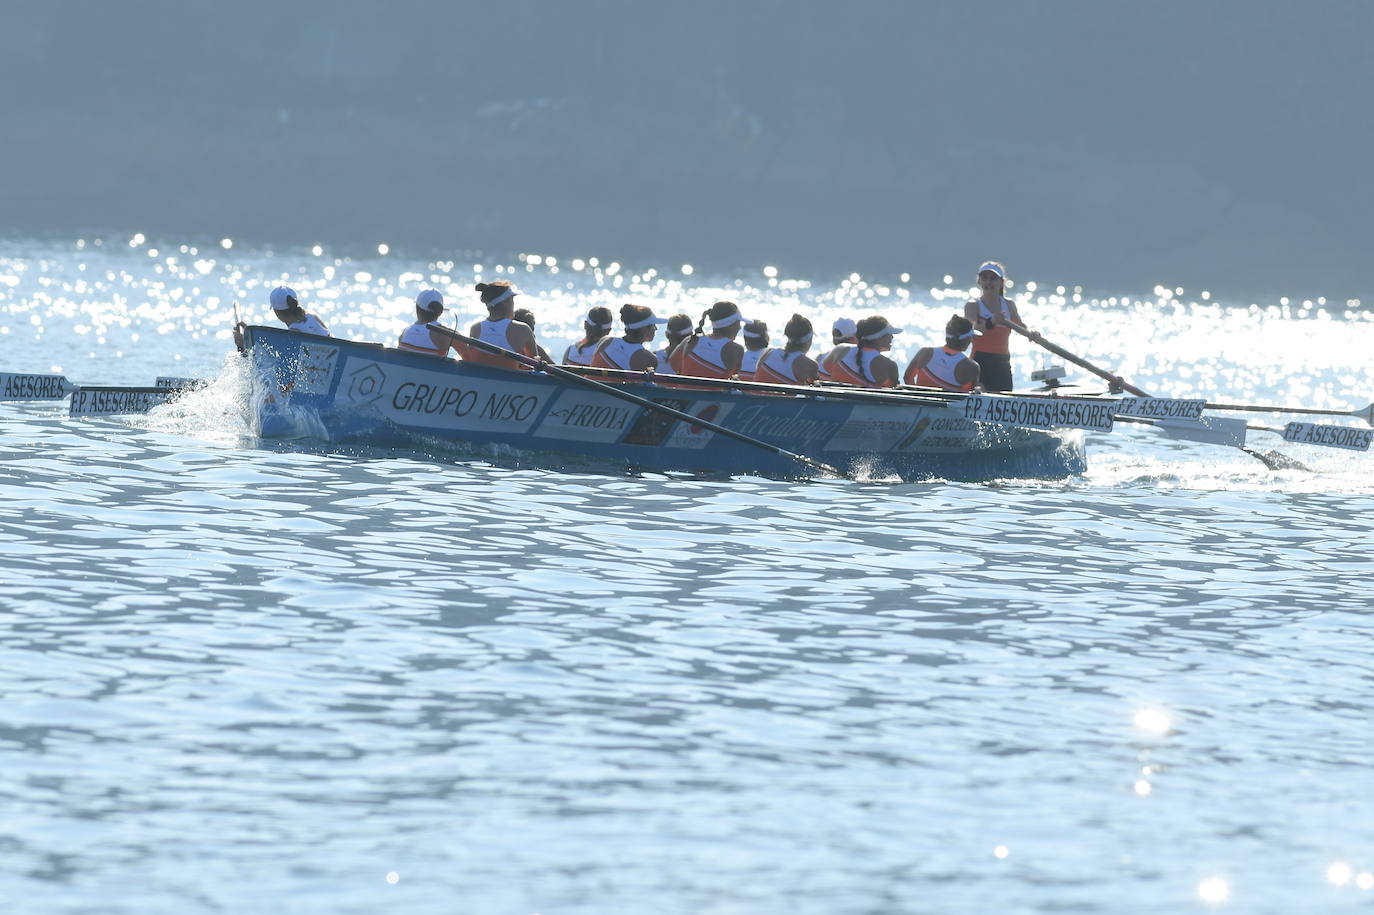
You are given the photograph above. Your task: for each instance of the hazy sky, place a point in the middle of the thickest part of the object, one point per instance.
(1221, 144)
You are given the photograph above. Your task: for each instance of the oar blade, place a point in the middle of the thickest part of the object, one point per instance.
(22, 386)
(1212, 430)
(113, 401)
(179, 384)
(1347, 437)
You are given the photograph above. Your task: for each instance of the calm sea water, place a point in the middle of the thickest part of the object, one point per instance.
(242, 678)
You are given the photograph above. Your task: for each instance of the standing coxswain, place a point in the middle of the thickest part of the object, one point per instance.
(789, 365)
(755, 342)
(630, 353)
(500, 329)
(863, 362)
(946, 367)
(595, 328)
(713, 355)
(988, 314)
(421, 337)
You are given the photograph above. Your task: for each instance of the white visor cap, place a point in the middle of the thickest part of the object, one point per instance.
(645, 322)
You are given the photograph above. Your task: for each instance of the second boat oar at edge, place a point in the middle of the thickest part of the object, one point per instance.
(1274, 460)
(90, 400)
(614, 391)
(34, 386)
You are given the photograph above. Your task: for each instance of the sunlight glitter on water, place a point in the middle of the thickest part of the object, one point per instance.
(1166, 343)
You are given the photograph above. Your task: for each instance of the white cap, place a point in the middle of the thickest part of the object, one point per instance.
(993, 267)
(728, 321)
(426, 300)
(279, 296)
(846, 327)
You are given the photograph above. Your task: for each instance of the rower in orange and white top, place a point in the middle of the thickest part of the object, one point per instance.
(420, 337)
(863, 362)
(842, 332)
(499, 329)
(679, 328)
(946, 367)
(596, 326)
(629, 353)
(526, 317)
(789, 365)
(988, 314)
(755, 342)
(713, 355)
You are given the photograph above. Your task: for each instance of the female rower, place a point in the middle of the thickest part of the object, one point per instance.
(289, 312)
(946, 367)
(420, 337)
(679, 328)
(629, 352)
(595, 327)
(988, 314)
(863, 363)
(755, 342)
(789, 365)
(842, 332)
(499, 329)
(526, 317)
(713, 355)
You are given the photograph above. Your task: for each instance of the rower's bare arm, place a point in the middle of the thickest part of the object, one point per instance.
(973, 317)
(968, 372)
(732, 354)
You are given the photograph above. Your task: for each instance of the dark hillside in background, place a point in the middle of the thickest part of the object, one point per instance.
(1219, 146)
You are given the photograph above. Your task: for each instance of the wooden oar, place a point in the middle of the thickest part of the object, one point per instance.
(1274, 460)
(1367, 414)
(612, 390)
(1115, 380)
(814, 392)
(89, 400)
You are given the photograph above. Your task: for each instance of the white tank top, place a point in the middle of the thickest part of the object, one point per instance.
(868, 356)
(417, 339)
(750, 363)
(707, 349)
(781, 362)
(310, 325)
(580, 355)
(1003, 313)
(619, 351)
(820, 366)
(942, 365)
(663, 364)
(494, 332)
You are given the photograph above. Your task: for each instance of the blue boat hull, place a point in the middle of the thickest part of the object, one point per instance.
(338, 392)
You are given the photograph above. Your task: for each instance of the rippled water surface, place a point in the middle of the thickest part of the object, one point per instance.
(240, 678)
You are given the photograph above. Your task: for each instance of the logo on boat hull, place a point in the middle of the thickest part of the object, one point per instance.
(365, 384)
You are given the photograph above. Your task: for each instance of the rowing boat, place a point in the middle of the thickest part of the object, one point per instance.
(338, 391)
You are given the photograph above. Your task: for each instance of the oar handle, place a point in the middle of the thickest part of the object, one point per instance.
(1076, 360)
(613, 391)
